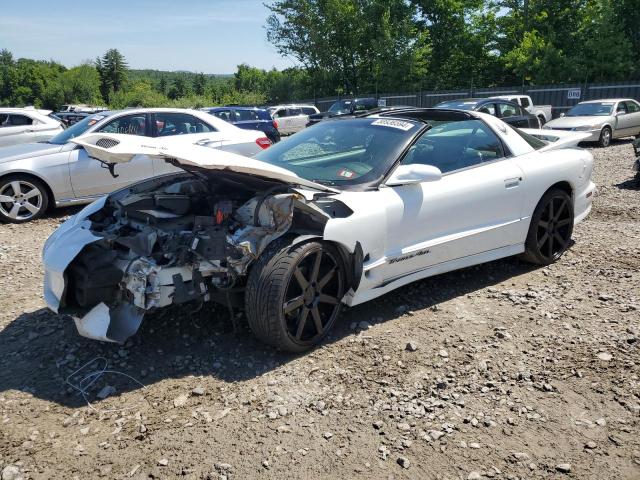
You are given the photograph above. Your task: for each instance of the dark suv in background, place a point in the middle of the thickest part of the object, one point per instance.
(248, 118)
(344, 108)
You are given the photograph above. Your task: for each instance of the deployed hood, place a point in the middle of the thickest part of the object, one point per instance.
(573, 122)
(27, 150)
(557, 139)
(119, 148)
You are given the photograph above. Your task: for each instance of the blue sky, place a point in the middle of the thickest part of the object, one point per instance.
(211, 36)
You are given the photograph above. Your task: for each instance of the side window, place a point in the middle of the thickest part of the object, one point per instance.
(19, 120)
(280, 113)
(489, 108)
(247, 116)
(128, 124)
(169, 124)
(4, 120)
(506, 110)
(453, 146)
(622, 108)
(633, 107)
(223, 115)
(524, 101)
(308, 111)
(294, 112)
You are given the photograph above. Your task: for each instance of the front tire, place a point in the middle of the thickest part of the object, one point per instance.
(551, 228)
(605, 138)
(541, 121)
(293, 295)
(22, 199)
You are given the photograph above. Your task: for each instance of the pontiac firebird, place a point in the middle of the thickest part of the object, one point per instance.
(340, 213)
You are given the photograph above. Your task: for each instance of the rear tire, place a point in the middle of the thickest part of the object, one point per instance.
(550, 229)
(293, 295)
(541, 121)
(605, 137)
(22, 199)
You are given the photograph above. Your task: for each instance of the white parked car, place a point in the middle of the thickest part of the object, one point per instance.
(292, 118)
(543, 112)
(26, 125)
(340, 213)
(36, 176)
(603, 120)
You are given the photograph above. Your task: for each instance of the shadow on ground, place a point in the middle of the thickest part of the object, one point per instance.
(40, 349)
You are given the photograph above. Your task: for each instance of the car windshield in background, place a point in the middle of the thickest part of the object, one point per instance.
(340, 107)
(458, 105)
(343, 152)
(601, 109)
(76, 130)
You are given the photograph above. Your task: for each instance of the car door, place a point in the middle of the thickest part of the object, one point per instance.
(15, 129)
(90, 178)
(285, 126)
(511, 114)
(632, 118)
(297, 120)
(474, 208)
(176, 127)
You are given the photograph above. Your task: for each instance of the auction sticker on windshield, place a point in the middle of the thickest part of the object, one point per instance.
(399, 124)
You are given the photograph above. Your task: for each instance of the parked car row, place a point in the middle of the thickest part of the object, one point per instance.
(57, 172)
(25, 125)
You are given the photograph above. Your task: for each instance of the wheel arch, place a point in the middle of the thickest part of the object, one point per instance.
(52, 198)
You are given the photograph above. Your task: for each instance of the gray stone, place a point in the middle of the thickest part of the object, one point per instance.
(404, 462)
(411, 347)
(106, 391)
(563, 467)
(198, 391)
(10, 472)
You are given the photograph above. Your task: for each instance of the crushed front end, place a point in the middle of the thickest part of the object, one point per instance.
(170, 240)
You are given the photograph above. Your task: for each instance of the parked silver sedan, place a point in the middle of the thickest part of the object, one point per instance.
(25, 125)
(57, 172)
(604, 119)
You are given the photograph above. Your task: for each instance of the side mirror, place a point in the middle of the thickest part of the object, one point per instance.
(621, 112)
(415, 173)
(562, 115)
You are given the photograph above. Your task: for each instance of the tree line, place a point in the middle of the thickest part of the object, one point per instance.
(347, 47)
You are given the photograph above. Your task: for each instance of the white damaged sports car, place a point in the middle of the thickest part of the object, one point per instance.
(340, 213)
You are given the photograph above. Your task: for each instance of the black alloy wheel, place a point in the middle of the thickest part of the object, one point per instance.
(551, 228)
(294, 294)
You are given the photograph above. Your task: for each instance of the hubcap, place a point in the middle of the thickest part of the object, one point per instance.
(313, 296)
(20, 200)
(606, 137)
(554, 228)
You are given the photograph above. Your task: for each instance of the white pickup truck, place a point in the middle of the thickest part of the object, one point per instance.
(543, 112)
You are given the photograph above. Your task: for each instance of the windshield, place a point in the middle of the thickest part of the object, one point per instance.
(76, 129)
(600, 109)
(341, 106)
(458, 104)
(343, 152)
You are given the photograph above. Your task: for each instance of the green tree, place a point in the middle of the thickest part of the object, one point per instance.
(199, 84)
(112, 69)
(81, 84)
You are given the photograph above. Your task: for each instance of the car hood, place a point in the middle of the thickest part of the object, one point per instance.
(573, 122)
(27, 150)
(119, 148)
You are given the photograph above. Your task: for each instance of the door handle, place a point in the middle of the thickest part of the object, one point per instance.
(512, 182)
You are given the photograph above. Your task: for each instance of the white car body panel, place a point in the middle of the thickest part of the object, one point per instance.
(41, 129)
(405, 232)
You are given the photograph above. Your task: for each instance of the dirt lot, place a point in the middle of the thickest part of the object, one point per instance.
(512, 372)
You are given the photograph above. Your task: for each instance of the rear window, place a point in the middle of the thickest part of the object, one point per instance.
(308, 110)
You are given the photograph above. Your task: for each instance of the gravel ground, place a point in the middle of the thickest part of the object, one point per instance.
(500, 371)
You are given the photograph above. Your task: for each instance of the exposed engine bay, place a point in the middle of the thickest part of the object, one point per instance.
(177, 239)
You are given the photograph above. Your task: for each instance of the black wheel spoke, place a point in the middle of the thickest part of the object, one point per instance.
(543, 224)
(317, 320)
(293, 304)
(562, 223)
(327, 278)
(302, 320)
(561, 241)
(550, 247)
(328, 299)
(542, 240)
(316, 268)
(300, 278)
(551, 209)
(560, 210)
